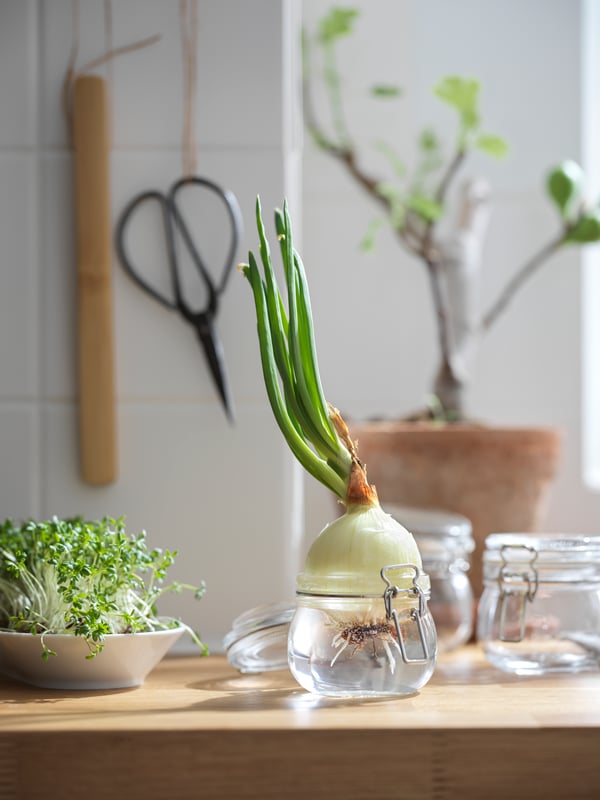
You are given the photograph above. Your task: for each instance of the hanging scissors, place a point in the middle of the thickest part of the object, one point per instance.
(203, 320)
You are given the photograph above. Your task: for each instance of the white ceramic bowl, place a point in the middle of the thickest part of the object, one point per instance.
(125, 660)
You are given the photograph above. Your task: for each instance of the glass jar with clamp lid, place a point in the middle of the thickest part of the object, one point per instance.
(366, 645)
(540, 609)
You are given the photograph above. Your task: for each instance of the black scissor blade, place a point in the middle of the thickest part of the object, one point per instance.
(213, 350)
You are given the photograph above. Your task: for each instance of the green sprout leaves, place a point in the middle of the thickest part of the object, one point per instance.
(428, 209)
(492, 145)
(462, 94)
(428, 141)
(385, 91)
(586, 230)
(337, 23)
(564, 184)
(83, 578)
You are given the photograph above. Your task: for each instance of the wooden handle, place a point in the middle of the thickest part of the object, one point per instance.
(97, 417)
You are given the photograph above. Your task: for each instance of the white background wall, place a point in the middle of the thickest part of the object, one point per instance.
(379, 355)
(227, 497)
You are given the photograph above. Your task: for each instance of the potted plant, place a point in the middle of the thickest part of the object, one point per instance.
(437, 457)
(78, 604)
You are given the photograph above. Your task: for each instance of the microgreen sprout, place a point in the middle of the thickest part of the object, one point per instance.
(85, 578)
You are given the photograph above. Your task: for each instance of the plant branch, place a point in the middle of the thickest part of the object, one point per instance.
(515, 283)
(332, 81)
(441, 313)
(346, 154)
(449, 175)
(433, 266)
(440, 195)
(343, 152)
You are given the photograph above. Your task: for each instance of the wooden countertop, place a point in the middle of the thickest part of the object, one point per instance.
(199, 729)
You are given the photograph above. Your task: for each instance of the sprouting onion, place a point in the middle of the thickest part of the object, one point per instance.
(347, 556)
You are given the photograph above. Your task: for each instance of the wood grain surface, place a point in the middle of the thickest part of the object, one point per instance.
(197, 728)
(97, 423)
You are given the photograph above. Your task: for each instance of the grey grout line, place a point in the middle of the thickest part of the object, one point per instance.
(39, 488)
(142, 149)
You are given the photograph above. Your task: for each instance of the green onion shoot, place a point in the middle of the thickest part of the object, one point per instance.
(348, 555)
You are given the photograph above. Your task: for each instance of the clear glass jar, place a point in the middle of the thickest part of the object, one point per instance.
(365, 646)
(445, 542)
(540, 608)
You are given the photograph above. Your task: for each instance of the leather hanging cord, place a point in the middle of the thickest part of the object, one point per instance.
(110, 53)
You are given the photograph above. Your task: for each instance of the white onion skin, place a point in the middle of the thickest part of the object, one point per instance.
(349, 553)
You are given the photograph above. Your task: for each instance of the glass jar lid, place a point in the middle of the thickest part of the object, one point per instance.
(257, 641)
(544, 558)
(439, 534)
(548, 548)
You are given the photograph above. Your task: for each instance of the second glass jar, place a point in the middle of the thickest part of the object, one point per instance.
(540, 609)
(446, 543)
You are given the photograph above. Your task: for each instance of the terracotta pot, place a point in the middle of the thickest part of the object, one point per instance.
(497, 477)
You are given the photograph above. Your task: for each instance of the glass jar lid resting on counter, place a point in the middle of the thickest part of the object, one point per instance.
(257, 641)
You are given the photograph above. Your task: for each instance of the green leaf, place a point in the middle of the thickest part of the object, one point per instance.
(385, 90)
(367, 243)
(586, 230)
(494, 146)
(396, 201)
(430, 210)
(564, 184)
(339, 22)
(388, 190)
(463, 95)
(428, 141)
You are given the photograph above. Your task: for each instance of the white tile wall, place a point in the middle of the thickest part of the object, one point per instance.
(18, 73)
(19, 453)
(222, 495)
(19, 318)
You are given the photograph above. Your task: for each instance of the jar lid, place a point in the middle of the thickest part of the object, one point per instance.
(547, 548)
(438, 533)
(257, 641)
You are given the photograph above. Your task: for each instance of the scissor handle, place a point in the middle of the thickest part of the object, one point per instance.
(126, 261)
(235, 218)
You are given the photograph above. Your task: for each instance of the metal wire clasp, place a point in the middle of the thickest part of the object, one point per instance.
(516, 590)
(416, 614)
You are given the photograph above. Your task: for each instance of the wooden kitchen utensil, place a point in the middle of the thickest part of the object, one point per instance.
(97, 415)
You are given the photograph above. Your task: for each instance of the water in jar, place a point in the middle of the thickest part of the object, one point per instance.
(343, 646)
